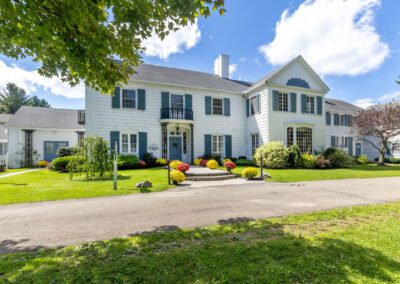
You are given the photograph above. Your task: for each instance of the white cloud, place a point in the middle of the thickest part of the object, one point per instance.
(176, 42)
(337, 37)
(31, 81)
(232, 69)
(386, 98)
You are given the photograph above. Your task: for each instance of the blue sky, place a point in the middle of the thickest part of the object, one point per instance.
(354, 45)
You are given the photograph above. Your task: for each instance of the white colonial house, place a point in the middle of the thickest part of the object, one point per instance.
(36, 133)
(183, 114)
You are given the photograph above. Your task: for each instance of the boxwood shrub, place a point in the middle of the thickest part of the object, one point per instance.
(127, 162)
(60, 164)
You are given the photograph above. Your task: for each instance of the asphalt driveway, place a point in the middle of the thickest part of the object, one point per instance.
(58, 223)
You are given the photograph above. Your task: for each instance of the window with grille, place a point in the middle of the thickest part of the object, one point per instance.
(283, 102)
(255, 105)
(255, 143)
(177, 101)
(310, 105)
(304, 139)
(128, 98)
(217, 106)
(218, 145)
(290, 136)
(128, 143)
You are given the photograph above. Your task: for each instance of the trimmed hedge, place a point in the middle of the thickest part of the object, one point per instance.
(69, 151)
(60, 164)
(128, 162)
(245, 163)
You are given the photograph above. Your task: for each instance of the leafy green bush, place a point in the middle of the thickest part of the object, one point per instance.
(329, 152)
(69, 151)
(274, 153)
(390, 160)
(245, 163)
(149, 159)
(339, 159)
(76, 165)
(309, 161)
(363, 160)
(294, 157)
(60, 164)
(127, 162)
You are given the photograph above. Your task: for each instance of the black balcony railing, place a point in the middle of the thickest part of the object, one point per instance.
(176, 113)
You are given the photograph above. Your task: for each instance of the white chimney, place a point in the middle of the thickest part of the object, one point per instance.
(221, 66)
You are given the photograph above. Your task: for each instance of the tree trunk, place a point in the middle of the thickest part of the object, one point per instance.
(381, 161)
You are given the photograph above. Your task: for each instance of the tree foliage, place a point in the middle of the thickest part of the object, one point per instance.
(79, 39)
(380, 123)
(13, 97)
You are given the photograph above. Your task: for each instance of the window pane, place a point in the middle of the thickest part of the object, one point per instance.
(304, 139)
(133, 143)
(254, 107)
(310, 105)
(218, 145)
(128, 99)
(283, 102)
(254, 143)
(124, 142)
(177, 101)
(289, 136)
(217, 106)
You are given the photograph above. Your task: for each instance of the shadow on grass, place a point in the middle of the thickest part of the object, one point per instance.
(234, 252)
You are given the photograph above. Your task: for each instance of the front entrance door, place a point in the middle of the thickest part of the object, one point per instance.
(175, 148)
(50, 149)
(358, 149)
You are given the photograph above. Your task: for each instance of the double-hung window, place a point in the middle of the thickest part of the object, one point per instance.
(255, 143)
(218, 145)
(310, 105)
(128, 143)
(255, 105)
(217, 106)
(177, 101)
(283, 102)
(128, 98)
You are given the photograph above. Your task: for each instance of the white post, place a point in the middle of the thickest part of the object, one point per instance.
(115, 165)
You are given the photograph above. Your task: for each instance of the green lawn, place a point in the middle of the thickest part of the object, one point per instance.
(294, 175)
(46, 185)
(355, 245)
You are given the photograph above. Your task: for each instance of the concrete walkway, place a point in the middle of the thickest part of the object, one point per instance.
(58, 223)
(18, 173)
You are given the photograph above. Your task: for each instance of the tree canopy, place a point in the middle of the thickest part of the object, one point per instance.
(80, 39)
(379, 124)
(13, 97)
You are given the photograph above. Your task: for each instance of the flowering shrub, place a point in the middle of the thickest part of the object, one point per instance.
(249, 173)
(309, 161)
(161, 162)
(229, 165)
(212, 164)
(177, 177)
(42, 164)
(183, 167)
(322, 163)
(274, 155)
(174, 164)
(142, 164)
(363, 160)
(203, 163)
(197, 161)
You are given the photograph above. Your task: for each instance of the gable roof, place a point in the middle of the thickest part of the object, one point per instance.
(187, 78)
(40, 117)
(271, 76)
(333, 105)
(3, 119)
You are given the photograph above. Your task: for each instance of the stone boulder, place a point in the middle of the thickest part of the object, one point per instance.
(144, 184)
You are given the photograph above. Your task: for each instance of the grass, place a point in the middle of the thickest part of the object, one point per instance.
(352, 245)
(47, 185)
(9, 171)
(295, 175)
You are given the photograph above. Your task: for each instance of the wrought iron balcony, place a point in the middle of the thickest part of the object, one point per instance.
(176, 113)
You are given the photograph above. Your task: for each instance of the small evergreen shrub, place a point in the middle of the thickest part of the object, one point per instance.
(294, 157)
(245, 163)
(249, 173)
(212, 164)
(363, 160)
(60, 164)
(69, 151)
(128, 162)
(177, 177)
(274, 153)
(339, 159)
(309, 161)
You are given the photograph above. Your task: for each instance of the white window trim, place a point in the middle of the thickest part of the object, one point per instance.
(315, 106)
(130, 152)
(289, 103)
(258, 142)
(170, 99)
(223, 145)
(212, 106)
(121, 99)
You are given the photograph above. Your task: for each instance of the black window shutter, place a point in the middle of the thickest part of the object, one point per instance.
(328, 118)
(275, 100)
(188, 102)
(228, 146)
(293, 102)
(319, 105)
(303, 103)
(164, 99)
(114, 138)
(208, 104)
(207, 144)
(141, 99)
(116, 98)
(142, 144)
(227, 107)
